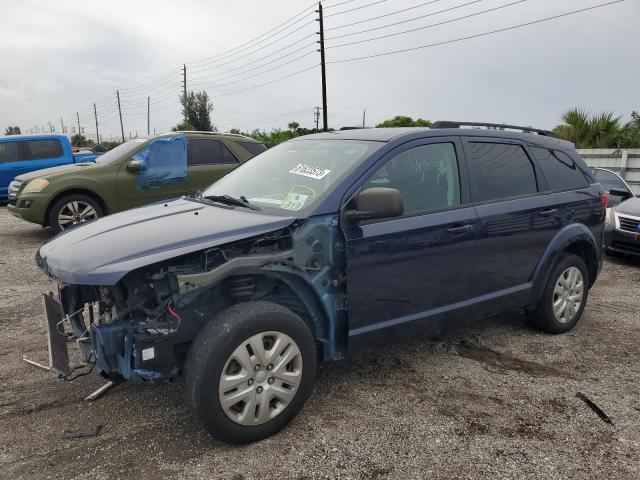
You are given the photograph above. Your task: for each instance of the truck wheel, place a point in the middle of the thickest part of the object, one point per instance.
(72, 210)
(250, 370)
(564, 297)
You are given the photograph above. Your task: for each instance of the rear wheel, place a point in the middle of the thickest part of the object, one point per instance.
(250, 370)
(72, 210)
(565, 296)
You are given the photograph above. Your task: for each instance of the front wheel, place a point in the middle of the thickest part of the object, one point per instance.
(250, 370)
(564, 297)
(72, 210)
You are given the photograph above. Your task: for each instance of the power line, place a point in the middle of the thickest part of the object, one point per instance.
(426, 26)
(383, 16)
(410, 20)
(338, 4)
(246, 45)
(267, 63)
(256, 74)
(356, 8)
(267, 83)
(478, 35)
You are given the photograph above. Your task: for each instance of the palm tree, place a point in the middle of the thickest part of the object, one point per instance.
(589, 131)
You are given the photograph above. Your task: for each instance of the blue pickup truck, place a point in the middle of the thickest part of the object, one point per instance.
(25, 153)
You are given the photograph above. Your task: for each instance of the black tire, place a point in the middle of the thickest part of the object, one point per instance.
(213, 347)
(543, 316)
(61, 203)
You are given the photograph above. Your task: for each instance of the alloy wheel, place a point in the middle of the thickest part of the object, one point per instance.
(75, 212)
(568, 294)
(260, 378)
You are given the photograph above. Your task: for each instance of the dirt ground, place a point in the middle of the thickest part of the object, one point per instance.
(485, 398)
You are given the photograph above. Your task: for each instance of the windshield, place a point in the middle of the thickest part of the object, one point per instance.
(122, 150)
(293, 175)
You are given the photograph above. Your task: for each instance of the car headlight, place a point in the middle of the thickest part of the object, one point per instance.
(35, 186)
(607, 217)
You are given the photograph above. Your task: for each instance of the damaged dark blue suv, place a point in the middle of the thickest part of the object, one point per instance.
(248, 286)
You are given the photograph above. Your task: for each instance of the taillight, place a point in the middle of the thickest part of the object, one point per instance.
(604, 199)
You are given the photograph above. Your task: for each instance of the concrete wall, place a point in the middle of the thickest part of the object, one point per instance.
(625, 163)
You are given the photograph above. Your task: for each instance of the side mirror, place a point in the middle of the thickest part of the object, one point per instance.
(620, 193)
(134, 166)
(376, 202)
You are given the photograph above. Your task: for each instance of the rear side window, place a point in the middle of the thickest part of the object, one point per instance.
(500, 170)
(201, 151)
(8, 152)
(561, 171)
(42, 149)
(253, 148)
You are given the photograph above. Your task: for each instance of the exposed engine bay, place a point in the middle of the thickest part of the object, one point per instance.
(142, 326)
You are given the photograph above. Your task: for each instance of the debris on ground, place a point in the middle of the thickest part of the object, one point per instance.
(82, 433)
(592, 405)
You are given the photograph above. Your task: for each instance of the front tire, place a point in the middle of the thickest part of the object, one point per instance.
(72, 210)
(564, 297)
(250, 370)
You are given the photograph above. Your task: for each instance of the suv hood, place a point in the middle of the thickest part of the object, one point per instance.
(630, 206)
(48, 173)
(103, 251)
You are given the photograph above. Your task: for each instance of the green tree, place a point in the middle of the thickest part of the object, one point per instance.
(79, 140)
(404, 121)
(293, 126)
(12, 131)
(196, 111)
(586, 130)
(629, 136)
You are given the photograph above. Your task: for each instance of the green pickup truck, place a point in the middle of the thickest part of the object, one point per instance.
(136, 173)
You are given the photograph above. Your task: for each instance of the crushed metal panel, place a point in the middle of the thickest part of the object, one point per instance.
(164, 161)
(58, 352)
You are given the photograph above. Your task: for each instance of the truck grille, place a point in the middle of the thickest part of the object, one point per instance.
(629, 224)
(14, 188)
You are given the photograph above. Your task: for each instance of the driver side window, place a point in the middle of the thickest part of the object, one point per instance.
(426, 176)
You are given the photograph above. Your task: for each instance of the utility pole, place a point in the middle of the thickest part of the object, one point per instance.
(316, 117)
(62, 125)
(364, 116)
(184, 89)
(148, 114)
(120, 113)
(323, 69)
(78, 117)
(95, 114)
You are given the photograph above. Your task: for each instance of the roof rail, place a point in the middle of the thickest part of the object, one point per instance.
(499, 126)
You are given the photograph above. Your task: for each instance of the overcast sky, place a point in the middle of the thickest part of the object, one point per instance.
(59, 57)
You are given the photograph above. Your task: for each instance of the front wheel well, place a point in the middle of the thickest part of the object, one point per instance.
(74, 191)
(585, 251)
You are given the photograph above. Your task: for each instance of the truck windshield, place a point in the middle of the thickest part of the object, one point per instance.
(293, 175)
(121, 151)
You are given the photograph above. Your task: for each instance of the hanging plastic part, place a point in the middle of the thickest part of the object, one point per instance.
(164, 161)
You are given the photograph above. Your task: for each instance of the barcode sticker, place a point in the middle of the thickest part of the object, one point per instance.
(310, 171)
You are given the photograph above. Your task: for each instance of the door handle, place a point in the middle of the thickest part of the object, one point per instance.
(548, 213)
(459, 230)
(17, 169)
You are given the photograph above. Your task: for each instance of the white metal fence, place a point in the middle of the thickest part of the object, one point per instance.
(625, 162)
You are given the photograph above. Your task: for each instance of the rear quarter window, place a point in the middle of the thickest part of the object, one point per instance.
(561, 171)
(254, 148)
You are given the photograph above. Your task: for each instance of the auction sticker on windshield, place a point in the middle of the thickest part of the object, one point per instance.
(310, 171)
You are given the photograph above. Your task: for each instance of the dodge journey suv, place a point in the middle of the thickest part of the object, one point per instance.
(248, 286)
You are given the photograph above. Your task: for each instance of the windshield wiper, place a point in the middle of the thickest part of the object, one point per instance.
(229, 200)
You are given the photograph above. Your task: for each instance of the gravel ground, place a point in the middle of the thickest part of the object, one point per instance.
(481, 398)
